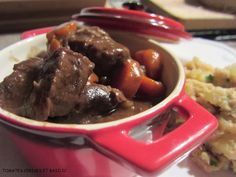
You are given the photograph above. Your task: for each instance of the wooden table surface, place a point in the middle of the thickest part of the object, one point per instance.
(10, 157)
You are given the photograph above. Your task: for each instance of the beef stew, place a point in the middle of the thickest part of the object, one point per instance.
(86, 77)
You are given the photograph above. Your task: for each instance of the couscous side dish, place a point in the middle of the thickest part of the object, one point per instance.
(215, 89)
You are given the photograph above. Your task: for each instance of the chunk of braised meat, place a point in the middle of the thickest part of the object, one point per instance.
(97, 100)
(39, 88)
(99, 47)
(59, 84)
(16, 88)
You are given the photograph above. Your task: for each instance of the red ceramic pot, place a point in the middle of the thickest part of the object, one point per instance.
(121, 148)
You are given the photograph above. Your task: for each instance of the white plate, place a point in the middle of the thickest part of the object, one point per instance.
(214, 53)
(218, 55)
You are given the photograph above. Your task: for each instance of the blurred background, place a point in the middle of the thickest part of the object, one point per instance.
(210, 19)
(18, 15)
(214, 19)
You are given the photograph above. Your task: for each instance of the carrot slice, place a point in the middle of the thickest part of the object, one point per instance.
(151, 88)
(50, 36)
(65, 29)
(54, 37)
(62, 31)
(151, 60)
(54, 44)
(128, 78)
(93, 78)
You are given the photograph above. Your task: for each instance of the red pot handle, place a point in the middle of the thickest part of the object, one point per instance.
(155, 156)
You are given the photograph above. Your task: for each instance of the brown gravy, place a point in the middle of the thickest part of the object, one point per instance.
(139, 106)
